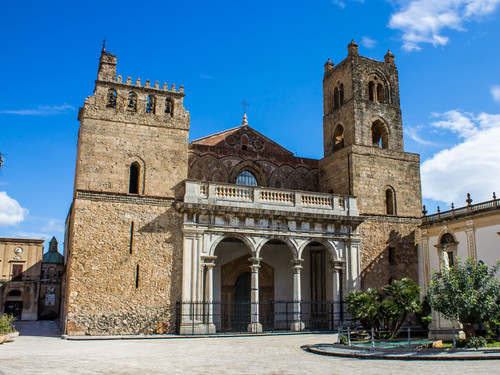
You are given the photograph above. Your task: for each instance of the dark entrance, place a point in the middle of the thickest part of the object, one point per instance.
(15, 308)
(242, 302)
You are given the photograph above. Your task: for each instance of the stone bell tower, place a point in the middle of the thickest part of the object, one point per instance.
(123, 238)
(364, 156)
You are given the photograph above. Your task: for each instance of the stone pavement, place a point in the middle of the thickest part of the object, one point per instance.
(274, 354)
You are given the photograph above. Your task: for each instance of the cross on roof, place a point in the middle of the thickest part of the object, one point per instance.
(244, 103)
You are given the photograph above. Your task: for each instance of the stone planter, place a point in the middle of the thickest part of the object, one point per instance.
(3, 338)
(12, 336)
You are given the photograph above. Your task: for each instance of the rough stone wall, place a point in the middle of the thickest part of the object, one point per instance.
(378, 235)
(102, 296)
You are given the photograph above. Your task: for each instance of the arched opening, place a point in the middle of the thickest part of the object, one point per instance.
(338, 138)
(169, 107)
(111, 99)
(379, 135)
(14, 304)
(448, 246)
(336, 99)
(380, 93)
(135, 172)
(132, 102)
(246, 178)
(151, 105)
(390, 201)
(341, 93)
(371, 91)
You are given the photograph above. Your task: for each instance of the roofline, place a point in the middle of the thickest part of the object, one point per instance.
(23, 240)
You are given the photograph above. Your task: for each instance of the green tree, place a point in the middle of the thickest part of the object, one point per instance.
(385, 310)
(468, 293)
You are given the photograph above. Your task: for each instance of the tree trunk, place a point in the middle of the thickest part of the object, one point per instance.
(470, 330)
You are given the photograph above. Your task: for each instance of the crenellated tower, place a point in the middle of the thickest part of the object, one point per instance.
(364, 156)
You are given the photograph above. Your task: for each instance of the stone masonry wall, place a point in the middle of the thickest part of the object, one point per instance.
(378, 235)
(102, 296)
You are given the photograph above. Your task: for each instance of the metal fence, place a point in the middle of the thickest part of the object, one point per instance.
(273, 316)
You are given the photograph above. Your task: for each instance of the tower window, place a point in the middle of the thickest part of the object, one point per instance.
(111, 99)
(392, 255)
(341, 93)
(132, 101)
(380, 93)
(390, 202)
(338, 138)
(131, 237)
(151, 106)
(371, 91)
(379, 135)
(137, 276)
(135, 170)
(336, 98)
(246, 178)
(169, 107)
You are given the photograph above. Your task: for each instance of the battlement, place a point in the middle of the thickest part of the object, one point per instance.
(145, 104)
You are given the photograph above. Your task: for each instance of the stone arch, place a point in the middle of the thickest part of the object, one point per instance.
(198, 170)
(253, 168)
(379, 133)
(277, 180)
(218, 172)
(239, 236)
(327, 244)
(141, 178)
(285, 240)
(294, 181)
(338, 137)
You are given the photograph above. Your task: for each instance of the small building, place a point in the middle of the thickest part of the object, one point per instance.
(20, 268)
(49, 303)
(472, 231)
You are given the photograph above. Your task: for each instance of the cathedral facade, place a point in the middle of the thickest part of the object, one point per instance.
(232, 232)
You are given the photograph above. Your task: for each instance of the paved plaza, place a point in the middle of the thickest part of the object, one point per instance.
(37, 352)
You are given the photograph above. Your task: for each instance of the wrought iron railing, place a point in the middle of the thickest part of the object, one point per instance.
(273, 316)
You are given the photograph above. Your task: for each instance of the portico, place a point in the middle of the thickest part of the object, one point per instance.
(259, 259)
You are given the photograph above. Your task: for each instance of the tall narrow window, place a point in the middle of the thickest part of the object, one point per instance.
(338, 138)
(390, 202)
(135, 172)
(336, 98)
(132, 102)
(392, 255)
(151, 106)
(380, 93)
(341, 93)
(379, 135)
(137, 276)
(371, 91)
(169, 107)
(111, 99)
(131, 237)
(17, 272)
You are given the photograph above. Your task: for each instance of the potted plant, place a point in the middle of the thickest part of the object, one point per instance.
(13, 333)
(3, 329)
(7, 330)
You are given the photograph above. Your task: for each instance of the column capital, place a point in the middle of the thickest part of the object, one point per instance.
(297, 265)
(337, 265)
(255, 263)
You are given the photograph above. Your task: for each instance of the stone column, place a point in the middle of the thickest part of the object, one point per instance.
(209, 293)
(297, 324)
(337, 289)
(254, 326)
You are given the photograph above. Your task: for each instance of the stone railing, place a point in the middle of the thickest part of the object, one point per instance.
(257, 197)
(462, 211)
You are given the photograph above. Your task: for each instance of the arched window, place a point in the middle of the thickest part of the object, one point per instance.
(448, 247)
(246, 178)
(132, 101)
(336, 100)
(151, 106)
(169, 107)
(390, 201)
(371, 91)
(380, 93)
(111, 99)
(341, 93)
(338, 138)
(135, 172)
(379, 135)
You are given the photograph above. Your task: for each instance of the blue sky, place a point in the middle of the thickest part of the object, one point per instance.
(272, 54)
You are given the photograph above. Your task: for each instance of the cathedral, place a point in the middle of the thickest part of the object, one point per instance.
(232, 232)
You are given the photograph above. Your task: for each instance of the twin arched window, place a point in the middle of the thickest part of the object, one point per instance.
(338, 96)
(376, 92)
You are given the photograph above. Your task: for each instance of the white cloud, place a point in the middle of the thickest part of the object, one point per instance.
(41, 110)
(54, 225)
(424, 21)
(342, 3)
(205, 77)
(495, 91)
(368, 42)
(11, 212)
(413, 133)
(469, 167)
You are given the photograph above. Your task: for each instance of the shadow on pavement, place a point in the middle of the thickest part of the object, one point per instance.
(47, 328)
